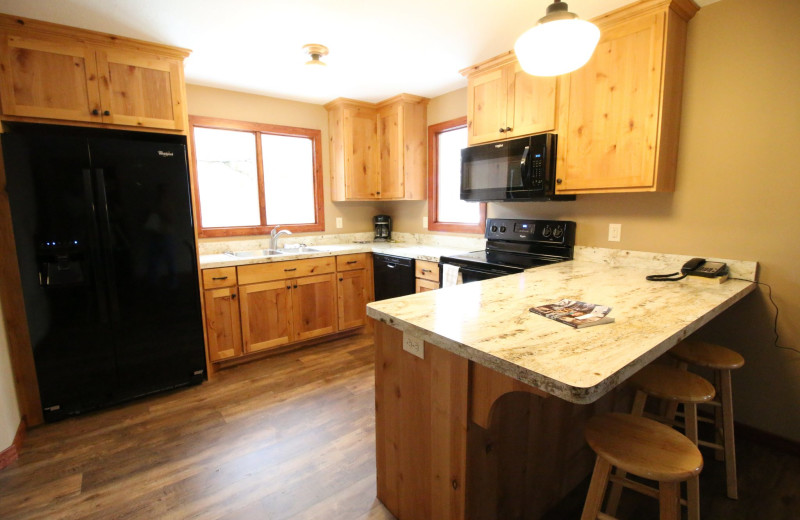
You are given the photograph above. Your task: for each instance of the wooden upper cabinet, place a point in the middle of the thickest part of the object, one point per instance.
(378, 151)
(64, 74)
(503, 101)
(140, 90)
(619, 121)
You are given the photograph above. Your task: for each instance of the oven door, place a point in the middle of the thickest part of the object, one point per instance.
(472, 273)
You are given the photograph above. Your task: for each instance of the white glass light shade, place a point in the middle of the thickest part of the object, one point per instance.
(556, 47)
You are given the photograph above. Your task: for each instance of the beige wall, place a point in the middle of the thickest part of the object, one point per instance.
(737, 192)
(211, 102)
(9, 411)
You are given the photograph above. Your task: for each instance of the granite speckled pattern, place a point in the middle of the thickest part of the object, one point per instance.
(489, 323)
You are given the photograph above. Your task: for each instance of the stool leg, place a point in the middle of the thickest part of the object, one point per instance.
(669, 504)
(693, 484)
(616, 489)
(597, 489)
(672, 406)
(718, 414)
(727, 433)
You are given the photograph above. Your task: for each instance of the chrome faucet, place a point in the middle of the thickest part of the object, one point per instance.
(273, 236)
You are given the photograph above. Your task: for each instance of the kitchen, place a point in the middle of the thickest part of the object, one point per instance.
(739, 94)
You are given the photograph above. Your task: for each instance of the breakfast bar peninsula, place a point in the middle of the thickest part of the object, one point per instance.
(480, 404)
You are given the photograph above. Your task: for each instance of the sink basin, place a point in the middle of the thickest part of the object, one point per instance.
(253, 253)
(296, 250)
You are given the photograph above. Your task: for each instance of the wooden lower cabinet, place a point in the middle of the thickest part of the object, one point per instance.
(426, 285)
(222, 323)
(353, 298)
(427, 275)
(313, 306)
(266, 315)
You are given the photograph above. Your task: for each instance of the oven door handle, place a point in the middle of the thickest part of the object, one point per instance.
(473, 269)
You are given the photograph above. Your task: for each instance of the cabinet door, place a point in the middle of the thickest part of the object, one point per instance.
(51, 79)
(222, 323)
(140, 90)
(361, 155)
(390, 142)
(266, 314)
(531, 107)
(426, 285)
(352, 296)
(486, 106)
(610, 139)
(314, 306)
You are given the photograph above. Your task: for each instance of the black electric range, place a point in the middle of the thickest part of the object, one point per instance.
(512, 246)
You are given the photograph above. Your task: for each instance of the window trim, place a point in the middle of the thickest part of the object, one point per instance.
(258, 128)
(433, 183)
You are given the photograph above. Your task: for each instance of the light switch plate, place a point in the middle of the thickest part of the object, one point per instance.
(339, 222)
(425, 222)
(414, 345)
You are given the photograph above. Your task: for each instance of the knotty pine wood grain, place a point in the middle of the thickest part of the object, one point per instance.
(285, 437)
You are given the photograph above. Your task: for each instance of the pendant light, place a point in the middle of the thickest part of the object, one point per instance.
(559, 43)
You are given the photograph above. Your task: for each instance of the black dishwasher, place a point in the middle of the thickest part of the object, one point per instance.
(394, 276)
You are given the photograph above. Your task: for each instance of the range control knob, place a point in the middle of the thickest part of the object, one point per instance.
(547, 231)
(494, 229)
(502, 229)
(558, 232)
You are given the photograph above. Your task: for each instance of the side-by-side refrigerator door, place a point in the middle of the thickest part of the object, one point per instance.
(146, 226)
(63, 278)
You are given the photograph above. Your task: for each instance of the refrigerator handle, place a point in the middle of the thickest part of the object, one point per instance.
(106, 241)
(97, 259)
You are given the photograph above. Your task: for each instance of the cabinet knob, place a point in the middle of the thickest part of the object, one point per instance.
(233, 296)
(294, 286)
(95, 112)
(341, 279)
(106, 113)
(508, 129)
(559, 181)
(288, 286)
(502, 130)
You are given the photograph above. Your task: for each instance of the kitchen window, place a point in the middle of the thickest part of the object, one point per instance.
(251, 177)
(446, 210)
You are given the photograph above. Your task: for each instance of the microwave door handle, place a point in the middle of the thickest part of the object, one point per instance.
(525, 153)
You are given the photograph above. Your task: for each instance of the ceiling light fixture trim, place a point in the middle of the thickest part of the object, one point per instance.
(316, 52)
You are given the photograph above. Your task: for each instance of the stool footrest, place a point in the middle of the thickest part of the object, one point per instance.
(708, 444)
(644, 489)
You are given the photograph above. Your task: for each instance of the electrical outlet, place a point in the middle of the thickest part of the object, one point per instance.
(425, 222)
(414, 345)
(339, 222)
(614, 232)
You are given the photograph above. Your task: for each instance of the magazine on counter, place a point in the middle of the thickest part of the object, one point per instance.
(575, 313)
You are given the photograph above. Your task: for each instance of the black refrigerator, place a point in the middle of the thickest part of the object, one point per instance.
(104, 234)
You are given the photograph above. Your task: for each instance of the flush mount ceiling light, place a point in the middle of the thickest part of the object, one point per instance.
(560, 42)
(316, 51)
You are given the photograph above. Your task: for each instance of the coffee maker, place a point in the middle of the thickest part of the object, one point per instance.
(383, 227)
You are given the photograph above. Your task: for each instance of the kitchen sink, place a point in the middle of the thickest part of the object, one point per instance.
(296, 250)
(253, 253)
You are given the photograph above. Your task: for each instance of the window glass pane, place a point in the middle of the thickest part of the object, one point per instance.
(288, 179)
(450, 207)
(227, 177)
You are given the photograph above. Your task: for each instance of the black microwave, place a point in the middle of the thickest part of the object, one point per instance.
(521, 169)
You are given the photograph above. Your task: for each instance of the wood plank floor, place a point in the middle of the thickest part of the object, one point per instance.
(289, 437)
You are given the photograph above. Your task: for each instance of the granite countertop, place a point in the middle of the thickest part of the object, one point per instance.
(489, 322)
(406, 250)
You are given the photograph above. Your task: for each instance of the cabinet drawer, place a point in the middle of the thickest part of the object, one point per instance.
(350, 262)
(426, 285)
(280, 270)
(427, 270)
(219, 277)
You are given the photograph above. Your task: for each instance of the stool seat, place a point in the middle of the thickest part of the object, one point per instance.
(704, 354)
(644, 447)
(671, 383)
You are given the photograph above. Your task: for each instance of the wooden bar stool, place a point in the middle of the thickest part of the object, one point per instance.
(721, 360)
(678, 386)
(644, 448)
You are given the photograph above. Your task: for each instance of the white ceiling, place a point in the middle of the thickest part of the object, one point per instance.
(378, 48)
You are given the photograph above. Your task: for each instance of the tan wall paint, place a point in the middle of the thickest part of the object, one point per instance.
(737, 192)
(9, 410)
(212, 102)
